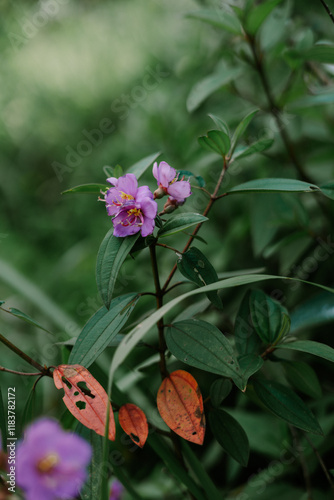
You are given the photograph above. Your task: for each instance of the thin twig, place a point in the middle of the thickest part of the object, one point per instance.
(28, 359)
(214, 197)
(2, 369)
(321, 462)
(167, 246)
(327, 10)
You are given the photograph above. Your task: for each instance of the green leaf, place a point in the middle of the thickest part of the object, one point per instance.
(109, 171)
(322, 52)
(142, 165)
(230, 435)
(91, 488)
(110, 258)
(274, 184)
(179, 222)
(246, 338)
(241, 128)
(302, 376)
(328, 190)
(250, 364)
(317, 310)
(2, 302)
(196, 267)
(311, 347)
(256, 147)
(87, 188)
(204, 88)
(220, 124)
(285, 404)
(32, 408)
(219, 390)
(219, 18)
(101, 328)
(25, 317)
(216, 141)
(3, 423)
(200, 181)
(172, 463)
(258, 14)
(200, 344)
(138, 332)
(271, 320)
(309, 101)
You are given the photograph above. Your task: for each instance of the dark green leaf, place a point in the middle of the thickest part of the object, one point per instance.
(200, 181)
(87, 188)
(204, 88)
(2, 302)
(196, 267)
(285, 404)
(219, 18)
(101, 328)
(246, 338)
(142, 165)
(179, 222)
(219, 390)
(198, 343)
(274, 184)
(110, 258)
(317, 310)
(322, 52)
(241, 128)
(220, 124)
(311, 347)
(328, 190)
(216, 141)
(230, 435)
(32, 408)
(258, 14)
(90, 491)
(109, 171)
(256, 147)
(270, 319)
(302, 377)
(25, 317)
(250, 364)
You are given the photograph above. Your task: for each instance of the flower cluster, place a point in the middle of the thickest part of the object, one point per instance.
(134, 208)
(51, 463)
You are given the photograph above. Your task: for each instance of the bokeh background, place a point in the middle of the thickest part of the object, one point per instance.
(85, 84)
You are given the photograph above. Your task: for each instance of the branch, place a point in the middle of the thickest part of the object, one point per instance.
(327, 10)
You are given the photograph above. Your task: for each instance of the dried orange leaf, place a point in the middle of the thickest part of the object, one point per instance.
(85, 398)
(180, 404)
(133, 421)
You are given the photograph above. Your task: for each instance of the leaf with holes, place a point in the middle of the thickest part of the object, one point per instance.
(85, 398)
(180, 405)
(133, 421)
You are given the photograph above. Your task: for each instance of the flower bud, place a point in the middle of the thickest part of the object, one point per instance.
(159, 193)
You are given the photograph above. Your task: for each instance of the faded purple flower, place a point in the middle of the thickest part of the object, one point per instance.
(168, 183)
(51, 463)
(116, 491)
(132, 207)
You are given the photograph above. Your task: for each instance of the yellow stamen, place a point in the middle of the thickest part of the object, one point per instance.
(134, 211)
(125, 196)
(47, 463)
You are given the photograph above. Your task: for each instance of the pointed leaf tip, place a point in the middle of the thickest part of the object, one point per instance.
(85, 398)
(133, 421)
(180, 405)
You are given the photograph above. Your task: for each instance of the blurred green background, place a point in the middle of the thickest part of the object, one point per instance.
(118, 73)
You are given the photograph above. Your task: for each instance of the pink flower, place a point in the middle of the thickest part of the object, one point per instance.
(132, 208)
(116, 491)
(51, 463)
(166, 177)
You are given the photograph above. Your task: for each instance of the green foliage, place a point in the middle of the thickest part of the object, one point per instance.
(180, 222)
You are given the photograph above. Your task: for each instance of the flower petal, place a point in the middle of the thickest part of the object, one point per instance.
(128, 184)
(147, 227)
(149, 208)
(165, 174)
(179, 190)
(143, 192)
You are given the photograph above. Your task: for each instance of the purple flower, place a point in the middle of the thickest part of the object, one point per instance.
(166, 177)
(116, 491)
(51, 463)
(132, 207)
